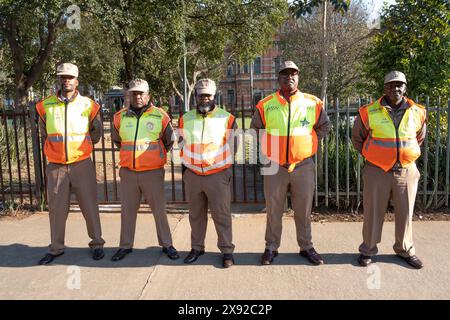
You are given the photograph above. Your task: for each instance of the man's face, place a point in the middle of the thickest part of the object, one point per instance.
(204, 98)
(139, 99)
(205, 102)
(395, 91)
(68, 83)
(288, 79)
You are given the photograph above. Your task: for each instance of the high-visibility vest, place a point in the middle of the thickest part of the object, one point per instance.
(141, 146)
(386, 144)
(206, 147)
(67, 126)
(289, 135)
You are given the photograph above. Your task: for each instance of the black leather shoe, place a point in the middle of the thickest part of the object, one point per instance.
(48, 258)
(193, 255)
(312, 256)
(120, 254)
(171, 252)
(364, 260)
(227, 260)
(413, 261)
(98, 254)
(268, 256)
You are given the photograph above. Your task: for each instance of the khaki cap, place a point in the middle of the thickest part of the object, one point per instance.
(395, 76)
(288, 65)
(138, 85)
(67, 69)
(205, 86)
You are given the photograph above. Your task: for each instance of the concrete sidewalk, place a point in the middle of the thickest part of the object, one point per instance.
(149, 274)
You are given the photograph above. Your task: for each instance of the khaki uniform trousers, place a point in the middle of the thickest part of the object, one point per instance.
(301, 184)
(213, 190)
(78, 177)
(151, 184)
(379, 187)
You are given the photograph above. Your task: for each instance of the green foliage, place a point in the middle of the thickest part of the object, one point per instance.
(98, 59)
(414, 39)
(347, 37)
(304, 7)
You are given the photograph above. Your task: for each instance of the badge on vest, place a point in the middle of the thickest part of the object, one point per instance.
(150, 126)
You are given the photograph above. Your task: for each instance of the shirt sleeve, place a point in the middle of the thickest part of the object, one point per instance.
(96, 129)
(42, 128)
(168, 137)
(256, 122)
(421, 134)
(359, 134)
(323, 125)
(116, 136)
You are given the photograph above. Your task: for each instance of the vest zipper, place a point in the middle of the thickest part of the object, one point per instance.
(203, 129)
(397, 137)
(134, 144)
(397, 140)
(66, 103)
(288, 131)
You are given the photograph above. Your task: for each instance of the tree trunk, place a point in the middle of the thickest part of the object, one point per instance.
(20, 99)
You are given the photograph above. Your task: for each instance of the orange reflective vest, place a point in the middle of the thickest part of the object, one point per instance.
(206, 147)
(67, 126)
(289, 135)
(386, 144)
(141, 146)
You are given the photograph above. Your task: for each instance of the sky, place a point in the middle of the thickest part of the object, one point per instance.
(375, 6)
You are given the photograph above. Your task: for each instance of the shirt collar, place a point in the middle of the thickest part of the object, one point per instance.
(404, 104)
(63, 99)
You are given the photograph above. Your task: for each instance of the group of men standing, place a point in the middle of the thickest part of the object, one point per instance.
(387, 132)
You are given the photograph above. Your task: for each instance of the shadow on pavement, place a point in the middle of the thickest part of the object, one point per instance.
(18, 255)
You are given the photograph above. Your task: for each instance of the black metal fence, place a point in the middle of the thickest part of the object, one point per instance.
(338, 165)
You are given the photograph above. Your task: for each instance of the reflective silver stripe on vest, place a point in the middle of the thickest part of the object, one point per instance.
(140, 147)
(393, 144)
(69, 138)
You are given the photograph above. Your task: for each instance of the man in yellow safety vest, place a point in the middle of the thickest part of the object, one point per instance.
(71, 126)
(144, 135)
(293, 122)
(206, 138)
(388, 133)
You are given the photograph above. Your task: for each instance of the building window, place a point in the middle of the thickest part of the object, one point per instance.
(230, 97)
(246, 68)
(257, 66)
(238, 68)
(230, 72)
(277, 62)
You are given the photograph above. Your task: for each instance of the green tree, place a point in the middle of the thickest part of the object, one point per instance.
(217, 32)
(30, 29)
(302, 7)
(139, 27)
(98, 58)
(348, 36)
(414, 39)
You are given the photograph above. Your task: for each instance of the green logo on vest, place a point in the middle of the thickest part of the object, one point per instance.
(304, 122)
(271, 108)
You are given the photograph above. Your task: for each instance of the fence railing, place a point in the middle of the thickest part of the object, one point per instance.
(338, 164)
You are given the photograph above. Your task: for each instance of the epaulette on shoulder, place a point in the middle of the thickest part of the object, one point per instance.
(266, 99)
(311, 96)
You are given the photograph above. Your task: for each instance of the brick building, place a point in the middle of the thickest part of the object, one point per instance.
(234, 88)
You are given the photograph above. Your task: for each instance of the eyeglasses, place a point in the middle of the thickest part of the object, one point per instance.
(288, 74)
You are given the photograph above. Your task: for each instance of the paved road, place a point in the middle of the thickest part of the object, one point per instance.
(148, 274)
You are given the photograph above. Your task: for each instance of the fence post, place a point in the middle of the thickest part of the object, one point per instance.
(37, 161)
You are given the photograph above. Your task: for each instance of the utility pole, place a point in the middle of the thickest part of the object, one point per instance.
(323, 92)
